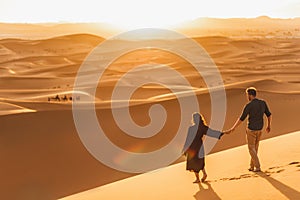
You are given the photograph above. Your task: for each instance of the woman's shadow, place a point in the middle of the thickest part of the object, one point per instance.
(206, 193)
(209, 193)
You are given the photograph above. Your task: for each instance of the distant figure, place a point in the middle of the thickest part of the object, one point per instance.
(65, 98)
(255, 111)
(194, 152)
(57, 98)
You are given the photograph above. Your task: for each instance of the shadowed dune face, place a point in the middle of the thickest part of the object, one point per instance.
(41, 154)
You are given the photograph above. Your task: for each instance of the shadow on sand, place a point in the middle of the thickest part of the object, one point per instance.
(287, 191)
(206, 193)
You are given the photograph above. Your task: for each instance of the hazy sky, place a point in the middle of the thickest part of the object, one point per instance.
(141, 13)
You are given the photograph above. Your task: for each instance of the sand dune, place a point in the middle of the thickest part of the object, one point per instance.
(43, 157)
(7, 109)
(41, 154)
(46, 30)
(227, 179)
(262, 26)
(53, 63)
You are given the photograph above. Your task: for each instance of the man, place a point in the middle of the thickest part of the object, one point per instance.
(255, 110)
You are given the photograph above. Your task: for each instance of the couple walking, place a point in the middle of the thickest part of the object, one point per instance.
(255, 110)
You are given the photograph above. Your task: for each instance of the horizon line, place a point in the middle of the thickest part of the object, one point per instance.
(112, 24)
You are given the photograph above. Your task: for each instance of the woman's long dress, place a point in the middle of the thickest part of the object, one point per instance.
(195, 160)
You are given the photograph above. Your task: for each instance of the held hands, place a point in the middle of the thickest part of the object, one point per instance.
(226, 132)
(268, 129)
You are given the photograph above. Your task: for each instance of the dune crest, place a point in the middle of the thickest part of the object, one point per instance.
(8, 109)
(43, 157)
(227, 180)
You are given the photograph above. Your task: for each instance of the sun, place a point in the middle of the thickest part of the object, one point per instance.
(142, 22)
(146, 14)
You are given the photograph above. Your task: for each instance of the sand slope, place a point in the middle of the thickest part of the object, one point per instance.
(228, 177)
(41, 154)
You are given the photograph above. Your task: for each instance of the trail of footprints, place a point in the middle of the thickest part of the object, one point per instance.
(268, 172)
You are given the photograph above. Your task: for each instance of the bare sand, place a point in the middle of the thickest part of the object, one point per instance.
(226, 180)
(41, 154)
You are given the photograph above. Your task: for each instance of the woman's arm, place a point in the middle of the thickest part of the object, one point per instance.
(214, 133)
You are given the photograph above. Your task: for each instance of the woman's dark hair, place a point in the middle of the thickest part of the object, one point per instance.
(251, 91)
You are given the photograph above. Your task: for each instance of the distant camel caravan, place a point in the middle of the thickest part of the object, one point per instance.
(57, 98)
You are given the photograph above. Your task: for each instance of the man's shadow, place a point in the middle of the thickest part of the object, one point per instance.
(287, 191)
(206, 193)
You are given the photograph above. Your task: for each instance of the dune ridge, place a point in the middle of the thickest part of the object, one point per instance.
(234, 57)
(41, 154)
(8, 109)
(227, 180)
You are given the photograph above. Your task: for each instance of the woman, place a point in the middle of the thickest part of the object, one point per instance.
(195, 161)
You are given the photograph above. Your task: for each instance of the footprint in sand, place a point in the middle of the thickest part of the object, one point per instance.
(237, 178)
(246, 176)
(273, 167)
(269, 172)
(294, 163)
(234, 178)
(280, 171)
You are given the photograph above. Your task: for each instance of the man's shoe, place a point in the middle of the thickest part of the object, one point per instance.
(257, 170)
(251, 169)
(197, 181)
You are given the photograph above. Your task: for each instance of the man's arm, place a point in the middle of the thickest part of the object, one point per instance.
(239, 120)
(268, 129)
(268, 114)
(236, 124)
